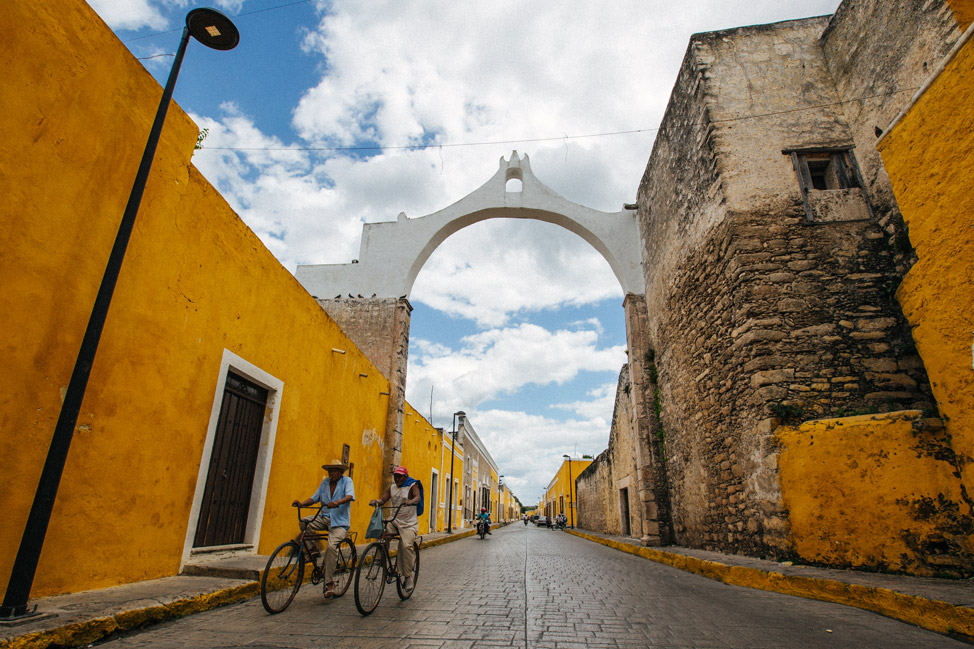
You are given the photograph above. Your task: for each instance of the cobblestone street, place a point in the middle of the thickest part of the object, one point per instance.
(534, 588)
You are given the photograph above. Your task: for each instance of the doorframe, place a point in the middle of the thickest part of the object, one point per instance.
(625, 483)
(255, 514)
(434, 500)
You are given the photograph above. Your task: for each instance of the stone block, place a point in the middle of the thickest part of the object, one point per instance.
(759, 379)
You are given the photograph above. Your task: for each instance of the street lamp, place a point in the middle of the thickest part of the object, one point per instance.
(453, 450)
(213, 29)
(571, 509)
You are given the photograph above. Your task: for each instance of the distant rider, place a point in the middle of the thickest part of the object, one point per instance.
(484, 516)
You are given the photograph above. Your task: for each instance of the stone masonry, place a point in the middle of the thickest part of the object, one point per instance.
(380, 328)
(767, 301)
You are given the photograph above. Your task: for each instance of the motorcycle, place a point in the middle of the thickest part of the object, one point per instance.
(525, 522)
(482, 528)
(560, 525)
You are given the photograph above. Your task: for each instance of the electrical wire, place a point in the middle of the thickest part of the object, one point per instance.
(440, 145)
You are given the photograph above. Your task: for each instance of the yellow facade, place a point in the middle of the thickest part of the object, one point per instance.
(871, 491)
(559, 497)
(198, 293)
(929, 155)
(444, 497)
(425, 451)
(963, 11)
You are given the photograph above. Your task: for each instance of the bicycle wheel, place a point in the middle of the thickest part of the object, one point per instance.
(282, 577)
(406, 593)
(370, 578)
(344, 567)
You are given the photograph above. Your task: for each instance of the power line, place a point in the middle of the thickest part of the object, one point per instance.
(240, 15)
(417, 147)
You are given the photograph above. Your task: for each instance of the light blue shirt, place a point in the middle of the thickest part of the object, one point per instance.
(341, 516)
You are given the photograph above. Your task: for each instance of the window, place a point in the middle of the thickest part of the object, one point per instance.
(831, 184)
(826, 169)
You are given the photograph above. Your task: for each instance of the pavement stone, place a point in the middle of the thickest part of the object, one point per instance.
(569, 606)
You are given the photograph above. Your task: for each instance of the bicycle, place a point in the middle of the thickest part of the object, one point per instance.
(378, 567)
(284, 573)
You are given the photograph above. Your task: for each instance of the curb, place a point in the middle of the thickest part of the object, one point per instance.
(929, 614)
(89, 631)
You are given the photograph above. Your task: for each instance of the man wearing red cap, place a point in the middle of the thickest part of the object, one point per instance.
(406, 492)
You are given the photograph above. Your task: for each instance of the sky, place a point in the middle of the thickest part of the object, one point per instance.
(333, 113)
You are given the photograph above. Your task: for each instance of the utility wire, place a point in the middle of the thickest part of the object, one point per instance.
(240, 15)
(414, 147)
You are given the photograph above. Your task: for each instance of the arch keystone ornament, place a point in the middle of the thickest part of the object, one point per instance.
(393, 252)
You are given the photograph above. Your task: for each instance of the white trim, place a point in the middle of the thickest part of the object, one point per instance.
(265, 452)
(435, 501)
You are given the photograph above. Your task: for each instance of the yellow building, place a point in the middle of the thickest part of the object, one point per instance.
(220, 386)
(928, 153)
(559, 496)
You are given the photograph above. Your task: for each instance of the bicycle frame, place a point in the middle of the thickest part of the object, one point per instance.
(284, 573)
(378, 567)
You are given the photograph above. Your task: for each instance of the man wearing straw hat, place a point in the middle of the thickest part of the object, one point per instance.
(335, 494)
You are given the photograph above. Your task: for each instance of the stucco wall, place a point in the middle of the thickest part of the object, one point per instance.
(876, 491)
(963, 11)
(928, 156)
(195, 282)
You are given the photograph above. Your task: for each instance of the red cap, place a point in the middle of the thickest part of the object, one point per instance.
(401, 470)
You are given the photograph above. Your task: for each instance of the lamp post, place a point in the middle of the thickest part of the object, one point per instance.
(571, 508)
(499, 512)
(453, 450)
(213, 29)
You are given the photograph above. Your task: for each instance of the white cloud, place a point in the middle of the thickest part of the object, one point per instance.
(495, 76)
(130, 14)
(501, 361)
(528, 448)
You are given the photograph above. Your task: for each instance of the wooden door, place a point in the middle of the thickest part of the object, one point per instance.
(233, 461)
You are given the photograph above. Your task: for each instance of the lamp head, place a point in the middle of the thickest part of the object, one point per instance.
(212, 28)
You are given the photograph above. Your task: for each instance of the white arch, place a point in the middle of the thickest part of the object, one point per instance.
(392, 253)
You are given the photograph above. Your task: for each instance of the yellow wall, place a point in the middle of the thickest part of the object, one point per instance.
(557, 497)
(929, 156)
(196, 281)
(871, 491)
(422, 452)
(444, 504)
(963, 11)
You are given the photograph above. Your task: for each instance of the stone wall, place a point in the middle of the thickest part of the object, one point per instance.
(757, 314)
(598, 487)
(875, 76)
(592, 489)
(380, 328)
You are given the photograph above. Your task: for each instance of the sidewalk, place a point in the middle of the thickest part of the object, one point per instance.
(82, 618)
(941, 605)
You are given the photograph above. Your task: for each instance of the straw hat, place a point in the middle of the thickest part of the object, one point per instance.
(335, 464)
